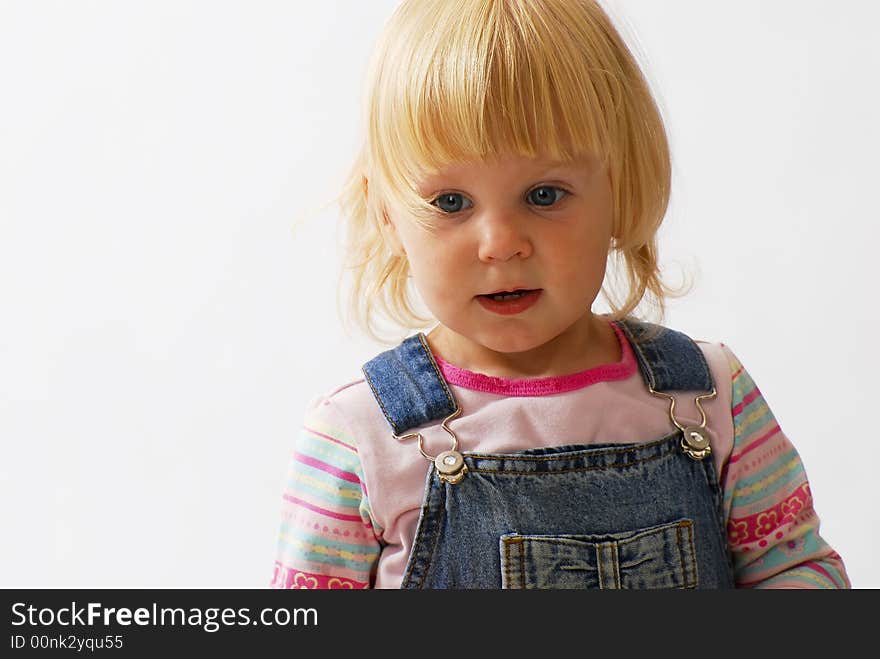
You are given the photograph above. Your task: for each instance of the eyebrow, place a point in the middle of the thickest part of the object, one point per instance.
(435, 179)
(543, 167)
(560, 167)
(584, 162)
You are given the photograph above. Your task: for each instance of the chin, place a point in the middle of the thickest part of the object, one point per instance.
(511, 342)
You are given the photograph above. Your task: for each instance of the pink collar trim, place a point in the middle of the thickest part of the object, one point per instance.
(543, 386)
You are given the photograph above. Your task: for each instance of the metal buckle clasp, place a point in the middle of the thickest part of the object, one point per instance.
(695, 439)
(449, 464)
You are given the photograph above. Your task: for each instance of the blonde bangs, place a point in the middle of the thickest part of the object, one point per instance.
(487, 78)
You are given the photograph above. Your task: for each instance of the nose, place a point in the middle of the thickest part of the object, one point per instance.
(502, 237)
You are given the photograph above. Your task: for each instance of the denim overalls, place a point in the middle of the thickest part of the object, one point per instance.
(639, 515)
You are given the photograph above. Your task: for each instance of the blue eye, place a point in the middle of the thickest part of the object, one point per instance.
(454, 202)
(546, 195)
(451, 202)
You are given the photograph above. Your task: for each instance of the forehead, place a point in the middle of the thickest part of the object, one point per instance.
(509, 166)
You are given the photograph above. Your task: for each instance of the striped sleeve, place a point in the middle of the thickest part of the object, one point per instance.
(772, 529)
(327, 537)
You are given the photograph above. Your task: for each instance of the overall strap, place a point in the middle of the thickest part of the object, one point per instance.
(411, 392)
(668, 360)
(408, 386)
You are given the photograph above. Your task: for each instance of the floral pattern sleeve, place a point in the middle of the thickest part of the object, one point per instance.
(772, 528)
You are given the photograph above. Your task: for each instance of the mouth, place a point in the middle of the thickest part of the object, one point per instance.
(505, 295)
(509, 303)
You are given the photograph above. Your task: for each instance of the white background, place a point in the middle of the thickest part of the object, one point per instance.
(169, 250)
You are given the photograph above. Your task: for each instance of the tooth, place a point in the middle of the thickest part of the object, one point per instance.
(501, 297)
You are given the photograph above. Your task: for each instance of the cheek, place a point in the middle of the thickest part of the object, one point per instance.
(431, 255)
(423, 260)
(582, 260)
(433, 268)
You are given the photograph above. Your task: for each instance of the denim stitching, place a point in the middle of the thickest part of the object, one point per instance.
(381, 404)
(655, 531)
(426, 508)
(717, 497)
(644, 364)
(611, 550)
(627, 325)
(421, 532)
(508, 566)
(616, 559)
(715, 488)
(423, 341)
(706, 370)
(505, 572)
(436, 532)
(522, 565)
(695, 578)
(681, 554)
(450, 399)
(595, 452)
(572, 470)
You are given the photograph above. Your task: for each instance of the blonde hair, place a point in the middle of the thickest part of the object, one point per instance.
(454, 80)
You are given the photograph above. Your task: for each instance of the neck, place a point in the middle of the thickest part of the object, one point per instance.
(588, 343)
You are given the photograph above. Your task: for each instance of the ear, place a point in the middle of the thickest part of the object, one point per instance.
(389, 232)
(392, 238)
(615, 233)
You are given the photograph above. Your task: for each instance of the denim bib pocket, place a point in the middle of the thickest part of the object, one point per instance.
(658, 557)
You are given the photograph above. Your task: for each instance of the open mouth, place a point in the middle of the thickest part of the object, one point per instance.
(504, 296)
(510, 303)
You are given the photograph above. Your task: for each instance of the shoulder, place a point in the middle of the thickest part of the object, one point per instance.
(735, 385)
(726, 366)
(347, 412)
(721, 360)
(727, 370)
